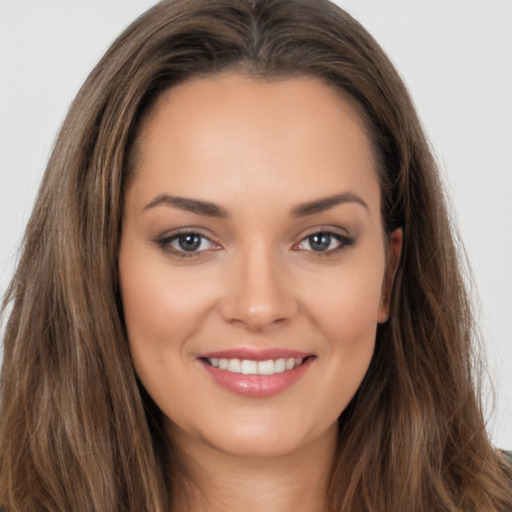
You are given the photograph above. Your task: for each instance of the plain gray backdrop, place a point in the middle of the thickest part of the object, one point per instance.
(454, 55)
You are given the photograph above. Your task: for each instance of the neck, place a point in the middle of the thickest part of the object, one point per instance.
(210, 480)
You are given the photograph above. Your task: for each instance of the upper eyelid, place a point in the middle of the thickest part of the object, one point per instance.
(334, 234)
(173, 233)
(332, 230)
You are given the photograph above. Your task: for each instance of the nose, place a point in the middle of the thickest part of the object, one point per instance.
(258, 295)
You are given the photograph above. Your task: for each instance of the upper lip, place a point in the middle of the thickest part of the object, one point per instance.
(253, 354)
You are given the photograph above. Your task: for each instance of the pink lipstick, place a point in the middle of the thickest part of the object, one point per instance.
(256, 373)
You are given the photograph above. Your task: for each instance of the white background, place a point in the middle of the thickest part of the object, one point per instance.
(454, 55)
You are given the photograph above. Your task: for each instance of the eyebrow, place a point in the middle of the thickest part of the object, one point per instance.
(189, 205)
(321, 205)
(212, 210)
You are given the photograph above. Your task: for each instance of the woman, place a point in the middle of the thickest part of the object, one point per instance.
(239, 286)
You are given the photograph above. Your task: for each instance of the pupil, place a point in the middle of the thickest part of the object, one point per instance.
(320, 242)
(189, 242)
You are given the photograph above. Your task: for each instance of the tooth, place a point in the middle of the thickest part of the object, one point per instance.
(266, 367)
(249, 367)
(234, 365)
(279, 365)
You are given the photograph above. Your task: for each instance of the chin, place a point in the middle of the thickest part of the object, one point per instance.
(266, 438)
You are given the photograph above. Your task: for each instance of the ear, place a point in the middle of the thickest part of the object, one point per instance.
(394, 250)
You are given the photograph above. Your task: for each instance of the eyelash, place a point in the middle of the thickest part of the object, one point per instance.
(343, 242)
(165, 243)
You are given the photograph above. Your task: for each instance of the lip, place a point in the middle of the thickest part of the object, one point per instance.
(255, 354)
(256, 385)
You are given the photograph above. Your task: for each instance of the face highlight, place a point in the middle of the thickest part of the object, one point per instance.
(252, 261)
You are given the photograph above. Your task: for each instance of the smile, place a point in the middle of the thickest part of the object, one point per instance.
(256, 373)
(252, 367)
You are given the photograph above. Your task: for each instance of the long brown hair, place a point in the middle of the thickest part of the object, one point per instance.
(78, 432)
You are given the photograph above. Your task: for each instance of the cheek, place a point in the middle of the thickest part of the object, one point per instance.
(349, 321)
(345, 303)
(343, 307)
(162, 305)
(154, 308)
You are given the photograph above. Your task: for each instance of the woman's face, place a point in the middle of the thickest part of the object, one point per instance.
(252, 261)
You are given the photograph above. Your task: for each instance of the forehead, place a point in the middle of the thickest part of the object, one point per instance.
(294, 137)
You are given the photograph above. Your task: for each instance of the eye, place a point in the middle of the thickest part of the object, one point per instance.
(324, 242)
(186, 244)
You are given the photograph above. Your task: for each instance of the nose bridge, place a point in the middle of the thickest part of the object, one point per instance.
(258, 295)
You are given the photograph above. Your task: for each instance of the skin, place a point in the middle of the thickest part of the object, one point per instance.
(258, 150)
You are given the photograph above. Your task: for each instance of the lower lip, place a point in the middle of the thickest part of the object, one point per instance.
(257, 385)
